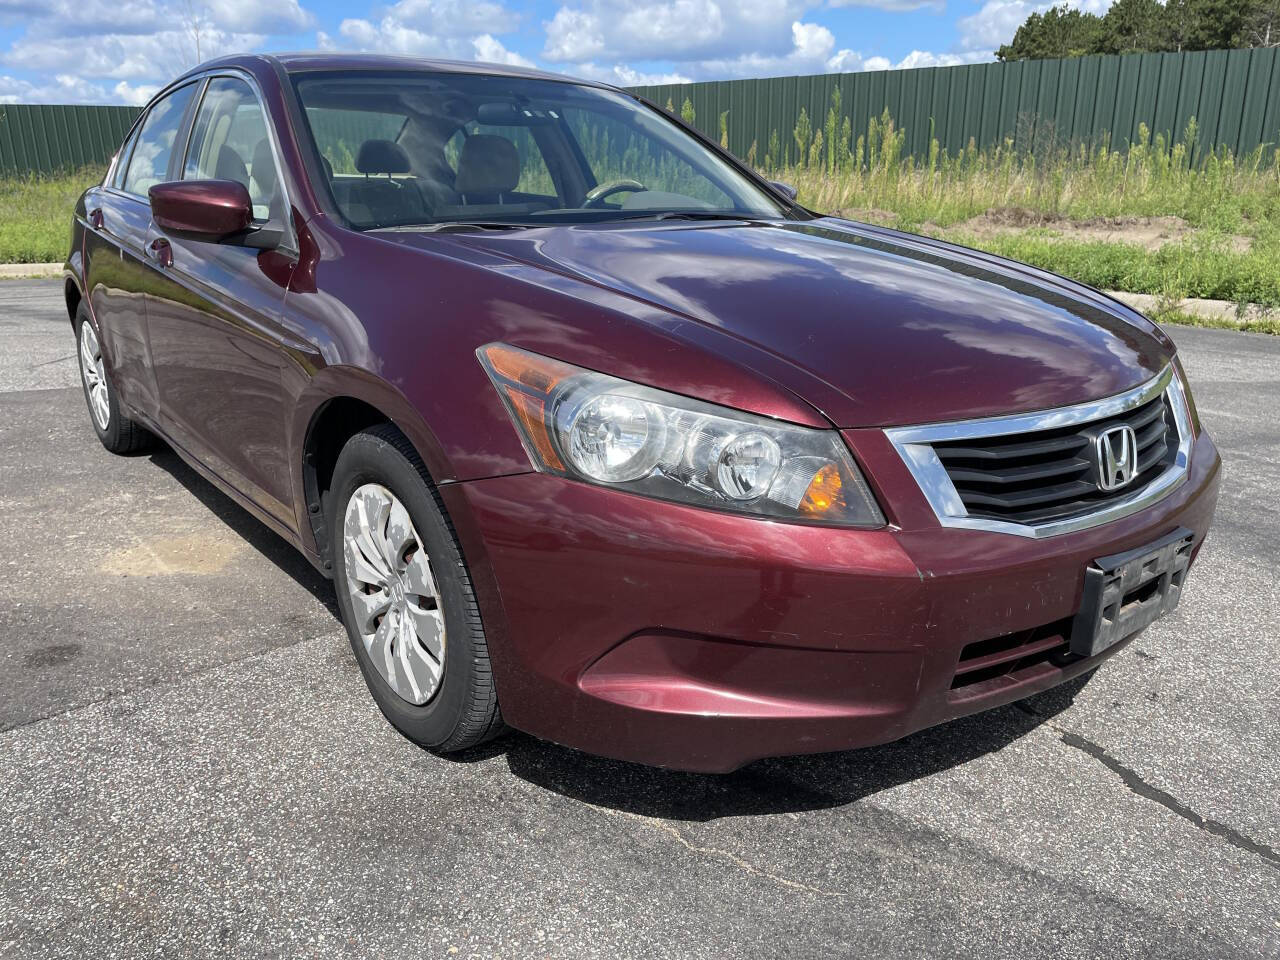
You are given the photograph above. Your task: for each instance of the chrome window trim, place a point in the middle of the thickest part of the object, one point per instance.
(915, 446)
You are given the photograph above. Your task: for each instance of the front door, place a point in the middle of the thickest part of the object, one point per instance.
(216, 319)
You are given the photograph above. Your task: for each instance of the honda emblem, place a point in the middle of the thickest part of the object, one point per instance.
(1116, 456)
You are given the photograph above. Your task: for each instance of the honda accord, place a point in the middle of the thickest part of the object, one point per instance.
(602, 436)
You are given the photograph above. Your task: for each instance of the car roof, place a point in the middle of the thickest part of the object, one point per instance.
(332, 61)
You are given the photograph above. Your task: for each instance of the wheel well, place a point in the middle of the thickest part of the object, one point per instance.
(332, 426)
(72, 293)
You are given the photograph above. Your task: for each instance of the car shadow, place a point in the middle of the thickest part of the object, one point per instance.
(779, 785)
(248, 527)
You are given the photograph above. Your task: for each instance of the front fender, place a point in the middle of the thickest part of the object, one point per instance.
(335, 383)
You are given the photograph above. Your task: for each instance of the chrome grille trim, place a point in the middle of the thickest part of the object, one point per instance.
(915, 446)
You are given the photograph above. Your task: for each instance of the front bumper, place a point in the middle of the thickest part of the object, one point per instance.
(698, 640)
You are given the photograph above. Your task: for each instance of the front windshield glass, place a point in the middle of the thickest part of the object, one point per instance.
(407, 149)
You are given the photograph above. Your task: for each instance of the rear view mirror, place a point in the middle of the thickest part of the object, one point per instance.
(217, 211)
(201, 209)
(785, 189)
(505, 113)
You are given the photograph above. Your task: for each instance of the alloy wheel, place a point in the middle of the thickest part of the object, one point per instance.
(393, 593)
(95, 376)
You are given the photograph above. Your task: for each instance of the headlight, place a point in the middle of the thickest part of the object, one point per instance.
(589, 426)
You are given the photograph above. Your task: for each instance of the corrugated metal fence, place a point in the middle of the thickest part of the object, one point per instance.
(43, 139)
(1234, 95)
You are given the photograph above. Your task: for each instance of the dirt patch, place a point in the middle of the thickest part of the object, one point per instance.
(192, 554)
(1149, 233)
(885, 218)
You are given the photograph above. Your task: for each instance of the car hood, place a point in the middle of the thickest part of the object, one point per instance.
(872, 327)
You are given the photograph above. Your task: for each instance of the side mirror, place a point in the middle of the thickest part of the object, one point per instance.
(784, 188)
(216, 211)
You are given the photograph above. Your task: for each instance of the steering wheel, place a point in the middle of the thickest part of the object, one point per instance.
(599, 193)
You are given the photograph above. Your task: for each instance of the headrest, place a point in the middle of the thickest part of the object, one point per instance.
(264, 169)
(487, 165)
(382, 156)
(230, 167)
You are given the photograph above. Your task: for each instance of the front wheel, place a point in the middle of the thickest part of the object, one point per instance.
(406, 598)
(117, 432)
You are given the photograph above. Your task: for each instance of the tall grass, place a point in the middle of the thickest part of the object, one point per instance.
(35, 214)
(1209, 188)
(1221, 195)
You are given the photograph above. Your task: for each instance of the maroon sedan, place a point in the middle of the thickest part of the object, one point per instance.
(602, 436)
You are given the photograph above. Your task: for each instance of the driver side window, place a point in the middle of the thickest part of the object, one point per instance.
(229, 141)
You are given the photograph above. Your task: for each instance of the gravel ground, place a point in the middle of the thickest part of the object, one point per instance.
(190, 765)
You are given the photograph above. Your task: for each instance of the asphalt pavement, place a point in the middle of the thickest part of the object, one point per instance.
(190, 765)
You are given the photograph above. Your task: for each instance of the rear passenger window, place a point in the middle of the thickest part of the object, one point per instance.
(149, 162)
(229, 142)
(122, 163)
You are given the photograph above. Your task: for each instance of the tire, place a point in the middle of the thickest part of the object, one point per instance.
(118, 434)
(462, 709)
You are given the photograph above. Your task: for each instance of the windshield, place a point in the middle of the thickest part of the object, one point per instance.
(408, 149)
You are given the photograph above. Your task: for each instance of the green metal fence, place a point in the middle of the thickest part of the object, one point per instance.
(1234, 96)
(44, 139)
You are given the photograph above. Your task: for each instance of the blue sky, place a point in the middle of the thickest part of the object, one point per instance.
(119, 51)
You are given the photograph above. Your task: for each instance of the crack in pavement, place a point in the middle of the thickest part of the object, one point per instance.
(1140, 787)
(745, 866)
(1134, 781)
(45, 363)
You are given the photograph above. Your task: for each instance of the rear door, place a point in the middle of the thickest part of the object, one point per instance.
(116, 259)
(216, 316)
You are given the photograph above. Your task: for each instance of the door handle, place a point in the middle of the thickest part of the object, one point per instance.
(95, 218)
(160, 251)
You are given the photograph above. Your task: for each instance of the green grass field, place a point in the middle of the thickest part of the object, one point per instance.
(35, 215)
(1095, 215)
(1164, 221)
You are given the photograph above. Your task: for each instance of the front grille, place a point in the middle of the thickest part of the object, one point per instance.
(1049, 475)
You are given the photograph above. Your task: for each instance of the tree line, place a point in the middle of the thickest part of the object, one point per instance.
(1146, 26)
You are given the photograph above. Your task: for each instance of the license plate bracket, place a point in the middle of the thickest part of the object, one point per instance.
(1127, 592)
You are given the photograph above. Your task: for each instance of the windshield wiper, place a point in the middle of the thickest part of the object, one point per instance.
(693, 215)
(450, 226)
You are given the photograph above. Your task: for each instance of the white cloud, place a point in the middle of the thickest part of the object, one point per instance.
(156, 57)
(995, 23)
(427, 28)
(715, 39)
(573, 35)
(621, 75)
(998, 20)
(680, 31)
(63, 88)
(451, 29)
(390, 35)
(136, 45)
(136, 96)
(813, 50)
(896, 6)
(923, 58)
(278, 16)
(492, 51)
